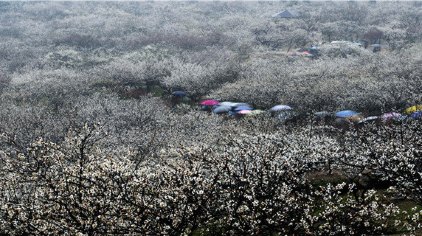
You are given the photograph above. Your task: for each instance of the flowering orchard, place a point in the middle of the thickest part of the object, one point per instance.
(247, 184)
(93, 140)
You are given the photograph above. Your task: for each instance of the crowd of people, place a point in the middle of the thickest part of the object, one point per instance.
(285, 113)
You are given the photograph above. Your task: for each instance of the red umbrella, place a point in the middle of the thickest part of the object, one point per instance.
(209, 102)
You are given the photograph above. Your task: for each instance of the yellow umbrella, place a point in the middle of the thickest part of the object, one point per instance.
(412, 109)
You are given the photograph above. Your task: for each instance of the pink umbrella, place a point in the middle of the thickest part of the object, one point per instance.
(244, 112)
(209, 102)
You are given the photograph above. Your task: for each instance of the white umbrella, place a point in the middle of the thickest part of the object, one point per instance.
(281, 108)
(229, 104)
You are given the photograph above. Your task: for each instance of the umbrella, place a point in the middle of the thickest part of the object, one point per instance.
(391, 116)
(346, 113)
(281, 108)
(221, 109)
(412, 109)
(209, 102)
(369, 119)
(240, 108)
(178, 93)
(241, 104)
(244, 112)
(416, 115)
(322, 114)
(230, 104)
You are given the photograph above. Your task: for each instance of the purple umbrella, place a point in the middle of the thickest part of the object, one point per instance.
(391, 116)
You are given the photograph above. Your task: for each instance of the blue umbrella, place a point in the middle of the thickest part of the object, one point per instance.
(221, 109)
(241, 108)
(179, 93)
(346, 113)
(416, 115)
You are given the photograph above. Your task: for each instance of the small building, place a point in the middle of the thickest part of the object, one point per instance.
(287, 14)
